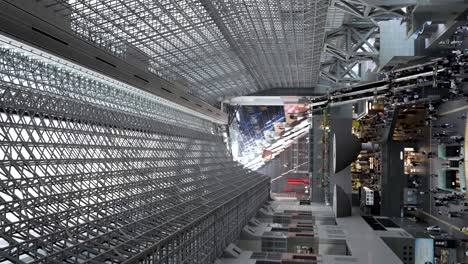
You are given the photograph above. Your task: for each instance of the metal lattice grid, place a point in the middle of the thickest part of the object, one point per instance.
(180, 42)
(20, 69)
(349, 46)
(215, 48)
(335, 19)
(282, 40)
(352, 39)
(83, 180)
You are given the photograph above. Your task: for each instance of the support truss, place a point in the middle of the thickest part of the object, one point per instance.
(351, 44)
(362, 9)
(87, 174)
(346, 47)
(215, 48)
(29, 72)
(354, 40)
(337, 71)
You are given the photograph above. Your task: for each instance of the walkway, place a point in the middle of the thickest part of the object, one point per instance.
(449, 112)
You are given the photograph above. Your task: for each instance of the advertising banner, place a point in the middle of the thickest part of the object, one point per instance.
(424, 251)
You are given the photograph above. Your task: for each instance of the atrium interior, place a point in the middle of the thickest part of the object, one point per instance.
(233, 131)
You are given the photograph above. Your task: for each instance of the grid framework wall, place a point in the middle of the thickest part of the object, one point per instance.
(90, 173)
(213, 48)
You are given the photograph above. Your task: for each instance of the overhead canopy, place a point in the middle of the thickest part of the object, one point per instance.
(213, 48)
(346, 146)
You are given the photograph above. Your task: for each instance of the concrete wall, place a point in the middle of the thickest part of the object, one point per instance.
(393, 179)
(393, 41)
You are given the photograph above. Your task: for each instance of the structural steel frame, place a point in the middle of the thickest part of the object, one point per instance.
(347, 46)
(365, 10)
(25, 70)
(93, 173)
(214, 48)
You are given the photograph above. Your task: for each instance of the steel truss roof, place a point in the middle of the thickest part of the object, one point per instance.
(215, 48)
(88, 175)
(347, 42)
(29, 72)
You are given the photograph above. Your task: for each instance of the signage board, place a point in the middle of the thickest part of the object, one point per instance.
(424, 251)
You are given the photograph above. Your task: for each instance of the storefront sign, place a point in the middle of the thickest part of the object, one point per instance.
(424, 251)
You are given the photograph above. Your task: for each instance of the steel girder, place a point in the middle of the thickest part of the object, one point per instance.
(92, 173)
(345, 47)
(215, 48)
(27, 71)
(281, 40)
(363, 9)
(355, 42)
(19, 25)
(337, 71)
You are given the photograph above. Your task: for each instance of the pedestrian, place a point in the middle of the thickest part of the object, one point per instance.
(446, 125)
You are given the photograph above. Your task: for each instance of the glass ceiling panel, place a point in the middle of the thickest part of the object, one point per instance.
(283, 39)
(212, 48)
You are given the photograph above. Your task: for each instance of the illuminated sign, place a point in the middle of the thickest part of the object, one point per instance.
(446, 243)
(424, 251)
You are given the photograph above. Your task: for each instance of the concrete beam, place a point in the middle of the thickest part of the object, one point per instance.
(443, 31)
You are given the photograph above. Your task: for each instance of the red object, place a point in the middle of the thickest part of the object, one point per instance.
(267, 154)
(295, 108)
(297, 181)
